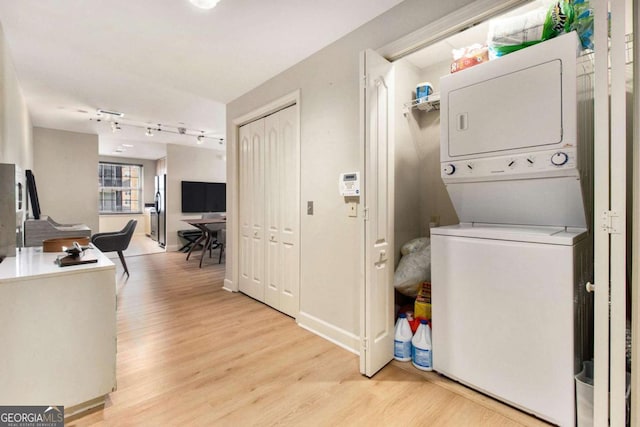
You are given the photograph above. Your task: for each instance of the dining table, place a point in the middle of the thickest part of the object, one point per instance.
(208, 235)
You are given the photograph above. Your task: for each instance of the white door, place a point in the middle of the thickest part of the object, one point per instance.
(244, 246)
(610, 195)
(269, 210)
(377, 314)
(282, 212)
(252, 211)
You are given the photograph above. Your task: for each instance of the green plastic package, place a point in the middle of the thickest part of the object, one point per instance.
(559, 19)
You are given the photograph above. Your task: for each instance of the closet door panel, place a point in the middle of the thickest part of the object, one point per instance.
(289, 189)
(273, 210)
(257, 209)
(244, 261)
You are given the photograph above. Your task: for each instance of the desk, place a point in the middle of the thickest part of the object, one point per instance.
(207, 235)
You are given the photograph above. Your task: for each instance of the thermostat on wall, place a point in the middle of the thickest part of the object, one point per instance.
(349, 184)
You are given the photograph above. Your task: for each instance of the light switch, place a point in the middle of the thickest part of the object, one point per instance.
(353, 209)
(309, 207)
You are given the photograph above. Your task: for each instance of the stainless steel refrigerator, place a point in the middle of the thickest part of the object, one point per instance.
(160, 207)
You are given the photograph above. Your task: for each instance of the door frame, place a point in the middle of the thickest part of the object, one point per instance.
(233, 179)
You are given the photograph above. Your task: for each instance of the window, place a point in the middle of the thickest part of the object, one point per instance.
(120, 188)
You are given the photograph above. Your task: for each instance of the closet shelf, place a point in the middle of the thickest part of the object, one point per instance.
(433, 103)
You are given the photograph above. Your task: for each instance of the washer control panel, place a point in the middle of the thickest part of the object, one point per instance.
(556, 162)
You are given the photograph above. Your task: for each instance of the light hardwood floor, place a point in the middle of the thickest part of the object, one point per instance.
(190, 353)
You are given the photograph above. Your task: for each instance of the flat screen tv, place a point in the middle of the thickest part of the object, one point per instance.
(204, 196)
(33, 194)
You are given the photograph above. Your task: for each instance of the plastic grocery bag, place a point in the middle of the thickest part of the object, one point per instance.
(415, 245)
(413, 268)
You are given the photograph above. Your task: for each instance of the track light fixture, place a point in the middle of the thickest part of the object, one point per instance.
(150, 130)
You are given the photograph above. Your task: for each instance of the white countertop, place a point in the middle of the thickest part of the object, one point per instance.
(32, 262)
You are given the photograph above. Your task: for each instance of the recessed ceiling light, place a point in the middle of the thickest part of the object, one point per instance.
(204, 4)
(128, 145)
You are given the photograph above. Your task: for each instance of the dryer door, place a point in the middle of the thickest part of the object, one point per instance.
(521, 109)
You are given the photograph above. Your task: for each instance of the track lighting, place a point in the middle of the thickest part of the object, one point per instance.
(150, 129)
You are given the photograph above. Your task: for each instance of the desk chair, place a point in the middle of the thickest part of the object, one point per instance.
(220, 232)
(117, 241)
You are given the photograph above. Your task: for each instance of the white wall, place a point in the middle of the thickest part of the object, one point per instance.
(420, 194)
(434, 199)
(331, 242)
(117, 222)
(16, 142)
(66, 170)
(188, 164)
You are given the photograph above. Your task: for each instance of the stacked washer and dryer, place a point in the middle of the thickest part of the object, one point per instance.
(510, 314)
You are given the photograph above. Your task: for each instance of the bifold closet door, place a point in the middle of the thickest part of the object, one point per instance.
(281, 202)
(252, 193)
(269, 210)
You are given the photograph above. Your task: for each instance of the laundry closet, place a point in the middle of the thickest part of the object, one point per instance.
(496, 167)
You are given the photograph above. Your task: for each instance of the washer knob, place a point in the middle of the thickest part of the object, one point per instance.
(559, 158)
(449, 169)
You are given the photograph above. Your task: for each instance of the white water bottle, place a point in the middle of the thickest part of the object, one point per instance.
(421, 354)
(402, 339)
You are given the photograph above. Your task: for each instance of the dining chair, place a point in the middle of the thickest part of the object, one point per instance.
(220, 233)
(117, 241)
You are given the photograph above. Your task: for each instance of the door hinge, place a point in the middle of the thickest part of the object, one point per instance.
(366, 213)
(365, 77)
(610, 222)
(365, 344)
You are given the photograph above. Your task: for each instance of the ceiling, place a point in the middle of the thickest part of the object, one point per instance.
(160, 61)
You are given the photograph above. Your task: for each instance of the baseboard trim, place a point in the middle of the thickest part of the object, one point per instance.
(172, 248)
(339, 337)
(76, 411)
(228, 286)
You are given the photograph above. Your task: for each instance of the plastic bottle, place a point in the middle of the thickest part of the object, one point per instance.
(402, 339)
(421, 354)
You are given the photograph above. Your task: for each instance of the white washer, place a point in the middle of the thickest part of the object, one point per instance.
(505, 301)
